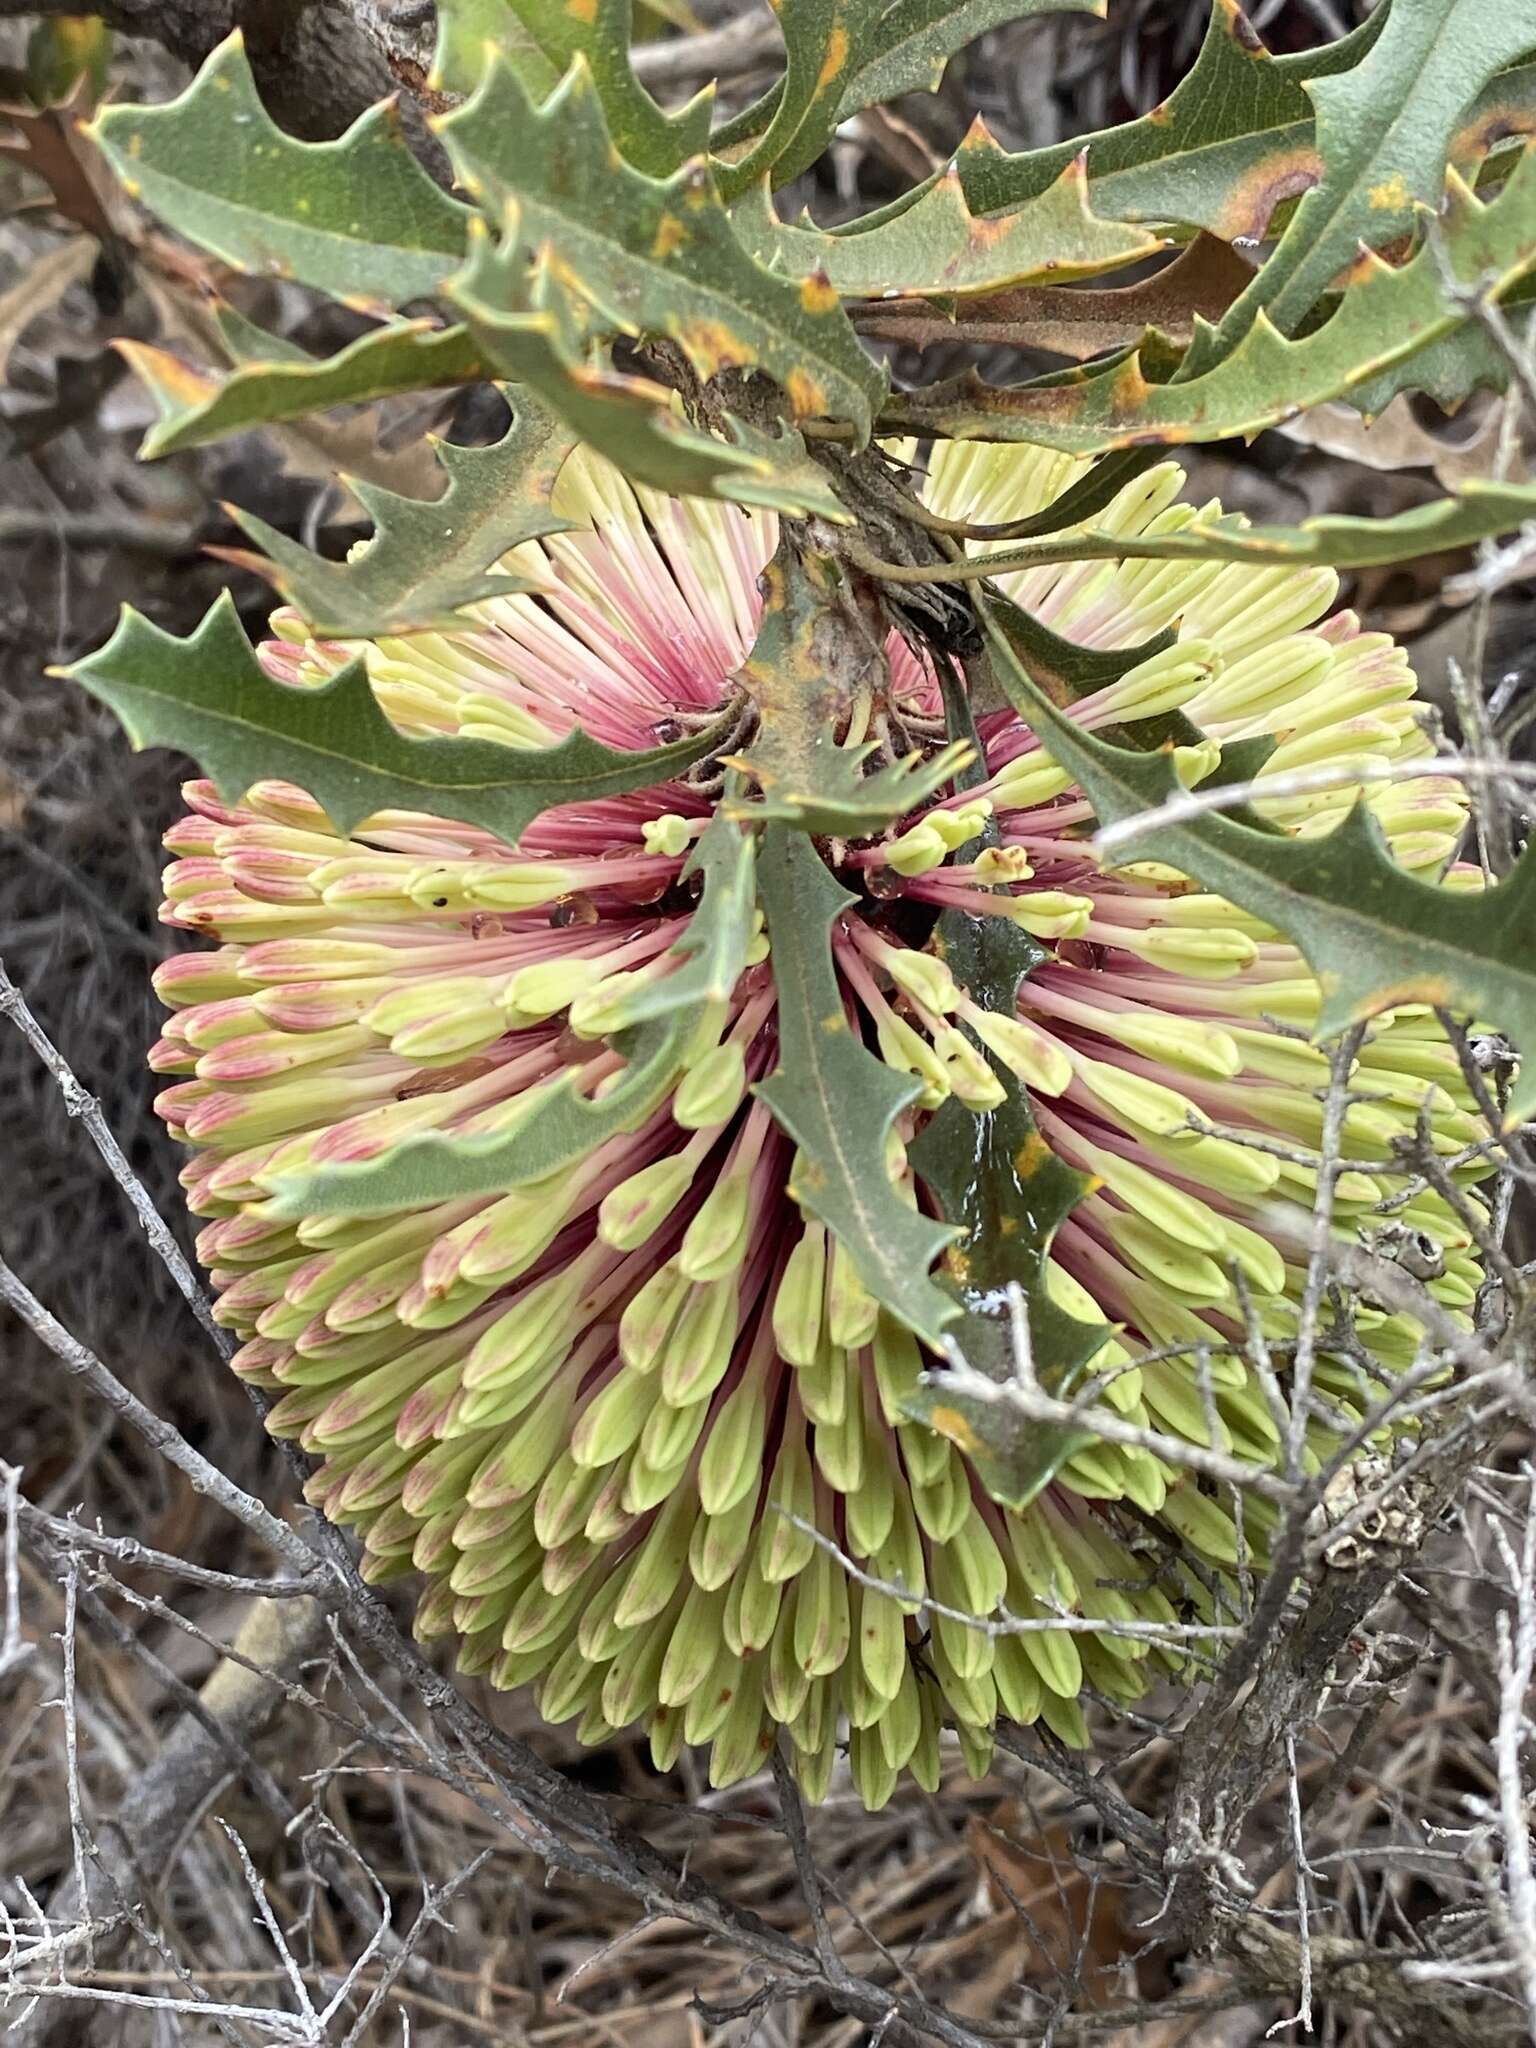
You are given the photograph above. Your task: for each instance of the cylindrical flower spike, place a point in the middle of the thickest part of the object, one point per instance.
(635, 1421)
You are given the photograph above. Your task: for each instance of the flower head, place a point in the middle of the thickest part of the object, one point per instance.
(632, 1420)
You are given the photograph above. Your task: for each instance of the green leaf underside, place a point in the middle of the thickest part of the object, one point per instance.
(1385, 316)
(836, 1099)
(209, 696)
(995, 1177)
(467, 30)
(939, 248)
(415, 355)
(564, 1125)
(629, 419)
(1384, 130)
(602, 32)
(795, 677)
(1373, 935)
(654, 256)
(429, 558)
(357, 218)
(908, 43)
(1476, 510)
(1450, 370)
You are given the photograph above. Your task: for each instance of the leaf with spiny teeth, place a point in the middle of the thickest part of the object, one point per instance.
(1373, 934)
(210, 696)
(938, 247)
(835, 1098)
(358, 218)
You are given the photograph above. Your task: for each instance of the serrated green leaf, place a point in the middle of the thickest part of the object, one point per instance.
(629, 419)
(358, 218)
(901, 46)
(413, 355)
(995, 1177)
(939, 248)
(823, 41)
(1478, 509)
(836, 1099)
(564, 1125)
(799, 680)
(654, 256)
(601, 31)
(909, 42)
(1371, 933)
(1384, 131)
(1232, 139)
(429, 558)
(1383, 317)
(1449, 370)
(468, 31)
(209, 696)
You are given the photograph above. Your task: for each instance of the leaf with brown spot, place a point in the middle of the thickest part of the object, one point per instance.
(1203, 279)
(805, 670)
(549, 176)
(1384, 318)
(940, 248)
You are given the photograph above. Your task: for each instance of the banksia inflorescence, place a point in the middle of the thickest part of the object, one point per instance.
(609, 1414)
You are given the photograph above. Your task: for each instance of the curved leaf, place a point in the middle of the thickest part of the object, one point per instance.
(1372, 934)
(358, 218)
(654, 256)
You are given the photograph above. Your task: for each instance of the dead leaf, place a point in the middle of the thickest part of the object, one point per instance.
(39, 286)
(1397, 440)
(1041, 1886)
(1080, 322)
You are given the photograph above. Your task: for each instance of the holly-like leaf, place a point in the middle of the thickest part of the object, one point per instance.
(1384, 316)
(1231, 142)
(836, 1099)
(1384, 129)
(799, 677)
(470, 32)
(1371, 933)
(412, 355)
(996, 1178)
(561, 1124)
(939, 248)
(654, 257)
(601, 31)
(428, 558)
(210, 697)
(358, 218)
(629, 419)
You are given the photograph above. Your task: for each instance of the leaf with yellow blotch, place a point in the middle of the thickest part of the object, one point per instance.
(654, 256)
(1384, 317)
(411, 355)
